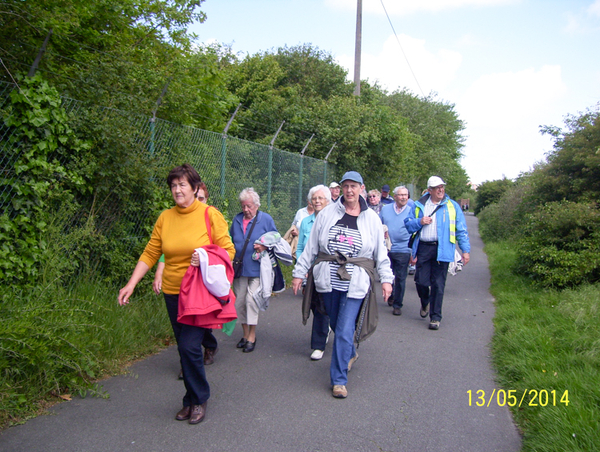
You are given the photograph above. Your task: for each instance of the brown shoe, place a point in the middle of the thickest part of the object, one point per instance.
(352, 361)
(339, 391)
(209, 355)
(184, 413)
(197, 413)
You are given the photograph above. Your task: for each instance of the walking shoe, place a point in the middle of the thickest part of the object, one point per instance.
(390, 301)
(352, 361)
(249, 347)
(434, 325)
(339, 391)
(197, 413)
(184, 413)
(209, 356)
(316, 355)
(424, 312)
(412, 269)
(397, 311)
(241, 343)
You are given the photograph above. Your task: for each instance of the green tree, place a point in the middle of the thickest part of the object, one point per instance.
(490, 192)
(438, 141)
(572, 171)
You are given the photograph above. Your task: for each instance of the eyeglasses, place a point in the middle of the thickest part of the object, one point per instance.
(318, 198)
(440, 187)
(373, 196)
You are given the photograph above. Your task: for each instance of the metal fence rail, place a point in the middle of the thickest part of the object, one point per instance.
(226, 164)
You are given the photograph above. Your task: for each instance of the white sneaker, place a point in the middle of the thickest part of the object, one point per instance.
(316, 355)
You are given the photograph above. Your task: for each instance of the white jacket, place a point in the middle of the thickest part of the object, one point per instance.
(373, 247)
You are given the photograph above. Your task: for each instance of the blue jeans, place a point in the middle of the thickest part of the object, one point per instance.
(400, 268)
(343, 312)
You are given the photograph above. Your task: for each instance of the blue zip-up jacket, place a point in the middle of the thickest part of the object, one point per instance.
(265, 223)
(445, 252)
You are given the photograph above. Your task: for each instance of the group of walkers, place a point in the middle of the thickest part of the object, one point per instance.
(341, 252)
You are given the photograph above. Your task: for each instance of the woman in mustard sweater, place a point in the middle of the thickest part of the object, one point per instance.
(177, 233)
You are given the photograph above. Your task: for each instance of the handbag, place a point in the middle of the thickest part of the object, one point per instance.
(238, 264)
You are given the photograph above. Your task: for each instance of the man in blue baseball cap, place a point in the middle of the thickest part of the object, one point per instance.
(385, 195)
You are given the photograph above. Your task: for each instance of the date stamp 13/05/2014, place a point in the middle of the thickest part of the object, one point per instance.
(512, 397)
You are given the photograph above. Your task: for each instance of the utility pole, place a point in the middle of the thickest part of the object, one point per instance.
(357, 48)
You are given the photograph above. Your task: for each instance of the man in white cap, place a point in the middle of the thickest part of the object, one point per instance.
(439, 223)
(334, 188)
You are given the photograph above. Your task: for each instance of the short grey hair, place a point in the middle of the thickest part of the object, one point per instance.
(374, 192)
(400, 187)
(249, 194)
(317, 188)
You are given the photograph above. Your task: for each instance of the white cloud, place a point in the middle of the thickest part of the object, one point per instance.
(433, 71)
(584, 21)
(503, 113)
(402, 7)
(594, 8)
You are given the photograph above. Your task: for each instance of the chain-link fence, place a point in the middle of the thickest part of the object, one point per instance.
(226, 164)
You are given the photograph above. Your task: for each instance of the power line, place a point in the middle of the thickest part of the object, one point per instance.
(401, 48)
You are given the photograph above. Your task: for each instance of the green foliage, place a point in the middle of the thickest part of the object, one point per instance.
(573, 168)
(560, 244)
(398, 138)
(547, 339)
(40, 138)
(506, 217)
(58, 337)
(490, 192)
(59, 340)
(437, 140)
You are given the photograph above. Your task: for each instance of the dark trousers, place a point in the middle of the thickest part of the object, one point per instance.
(189, 344)
(320, 330)
(430, 278)
(399, 263)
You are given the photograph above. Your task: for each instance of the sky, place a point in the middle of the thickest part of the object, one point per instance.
(507, 66)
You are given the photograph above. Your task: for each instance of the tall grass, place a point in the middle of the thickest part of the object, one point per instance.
(547, 340)
(56, 340)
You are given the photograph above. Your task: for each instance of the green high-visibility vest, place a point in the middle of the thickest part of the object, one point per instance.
(452, 215)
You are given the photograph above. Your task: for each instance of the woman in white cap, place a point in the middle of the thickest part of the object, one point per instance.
(346, 245)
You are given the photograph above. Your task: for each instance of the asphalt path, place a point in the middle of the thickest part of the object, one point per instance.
(408, 391)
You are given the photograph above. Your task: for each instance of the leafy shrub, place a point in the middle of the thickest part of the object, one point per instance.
(39, 139)
(560, 244)
(504, 218)
(490, 192)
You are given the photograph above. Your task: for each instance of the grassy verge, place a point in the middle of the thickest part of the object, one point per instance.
(547, 341)
(56, 341)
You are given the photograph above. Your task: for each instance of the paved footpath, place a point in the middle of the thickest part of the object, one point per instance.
(407, 391)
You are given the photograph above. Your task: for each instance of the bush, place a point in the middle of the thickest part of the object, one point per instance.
(58, 340)
(504, 219)
(560, 246)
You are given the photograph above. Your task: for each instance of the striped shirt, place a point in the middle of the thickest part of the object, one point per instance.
(345, 238)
